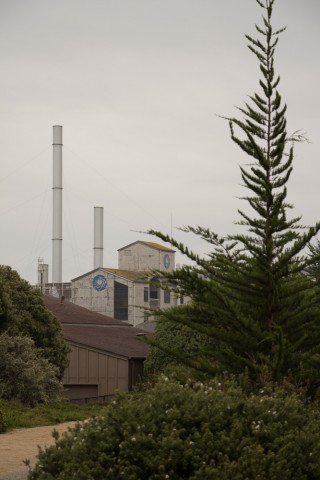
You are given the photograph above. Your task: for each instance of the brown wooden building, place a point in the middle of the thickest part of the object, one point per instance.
(106, 354)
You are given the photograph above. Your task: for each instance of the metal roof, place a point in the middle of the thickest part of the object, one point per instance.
(149, 244)
(130, 274)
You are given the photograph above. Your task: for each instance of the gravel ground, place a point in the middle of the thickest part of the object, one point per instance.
(18, 475)
(17, 445)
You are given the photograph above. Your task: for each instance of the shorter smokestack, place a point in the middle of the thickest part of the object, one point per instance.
(43, 274)
(98, 238)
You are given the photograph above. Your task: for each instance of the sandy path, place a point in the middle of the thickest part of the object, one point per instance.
(17, 445)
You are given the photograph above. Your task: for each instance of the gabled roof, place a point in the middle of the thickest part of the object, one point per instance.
(130, 274)
(74, 314)
(94, 330)
(123, 341)
(87, 273)
(157, 246)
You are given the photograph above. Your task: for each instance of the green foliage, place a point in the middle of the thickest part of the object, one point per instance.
(25, 374)
(3, 422)
(23, 312)
(184, 341)
(251, 296)
(190, 431)
(313, 270)
(21, 416)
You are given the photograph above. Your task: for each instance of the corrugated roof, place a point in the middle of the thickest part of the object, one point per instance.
(150, 244)
(129, 274)
(158, 246)
(87, 273)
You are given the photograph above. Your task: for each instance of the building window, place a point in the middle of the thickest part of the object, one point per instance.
(181, 300)
(120, 301)
(166, 296)
(146, 294)
(154, 288)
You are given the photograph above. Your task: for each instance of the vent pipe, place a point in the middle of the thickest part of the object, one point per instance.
(98, 238)
(57, 206)
(43, 274)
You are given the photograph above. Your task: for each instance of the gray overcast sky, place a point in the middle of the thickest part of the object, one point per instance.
(137, 86)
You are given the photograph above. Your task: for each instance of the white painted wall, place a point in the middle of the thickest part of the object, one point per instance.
(142, 257)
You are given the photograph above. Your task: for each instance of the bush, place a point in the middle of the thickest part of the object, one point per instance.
(23, 312)
(21, 416)
(24, 374)
(190, 431)
(3, 422)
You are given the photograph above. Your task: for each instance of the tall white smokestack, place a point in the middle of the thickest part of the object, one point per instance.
(57, 206)
(98, 238)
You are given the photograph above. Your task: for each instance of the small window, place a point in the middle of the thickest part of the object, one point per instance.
(166, 296)
(181, 300)
(146, 294)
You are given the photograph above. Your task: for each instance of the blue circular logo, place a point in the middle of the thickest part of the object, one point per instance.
(99, 283)
(166, 261)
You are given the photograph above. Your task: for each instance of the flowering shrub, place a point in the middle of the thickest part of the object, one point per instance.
(25, 374)
(190, 431)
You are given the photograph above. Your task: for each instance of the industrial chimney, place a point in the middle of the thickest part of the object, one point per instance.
(57, 206)
(98, 238)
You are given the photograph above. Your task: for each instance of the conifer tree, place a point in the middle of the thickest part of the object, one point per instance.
(251, 296)
(313, 270)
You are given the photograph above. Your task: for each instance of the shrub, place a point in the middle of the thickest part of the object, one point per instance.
(3, 422)
(21, 416)
(24, 374)
(190, 430)
(23, 312)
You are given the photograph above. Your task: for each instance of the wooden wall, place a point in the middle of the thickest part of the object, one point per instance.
(90, 367)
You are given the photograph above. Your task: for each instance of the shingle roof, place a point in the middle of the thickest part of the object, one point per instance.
(94, 330)
(70, 313)
(122, 341)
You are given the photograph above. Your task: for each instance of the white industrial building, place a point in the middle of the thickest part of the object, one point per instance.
(126, 293)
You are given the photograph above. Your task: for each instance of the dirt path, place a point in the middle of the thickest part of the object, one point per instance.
(18, 445)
